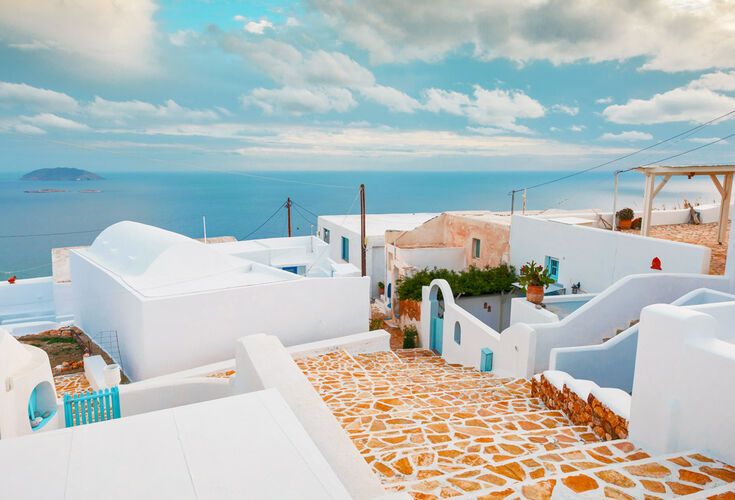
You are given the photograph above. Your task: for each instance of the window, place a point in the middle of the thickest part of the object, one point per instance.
(552, 264)
(345, 249)
(475, 248)
(326, 235)
(457, 333)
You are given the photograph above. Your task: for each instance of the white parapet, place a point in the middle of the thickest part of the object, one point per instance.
(681, 392)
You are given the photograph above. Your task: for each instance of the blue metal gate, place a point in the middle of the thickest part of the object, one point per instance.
(91, 407)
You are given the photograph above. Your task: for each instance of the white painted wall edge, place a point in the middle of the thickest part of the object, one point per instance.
(358, 343)
(263, 363)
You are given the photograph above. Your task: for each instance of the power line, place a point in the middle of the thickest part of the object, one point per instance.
(49, 234)
(680, 154)
(580, 172)
(306, 209)
(265, 222)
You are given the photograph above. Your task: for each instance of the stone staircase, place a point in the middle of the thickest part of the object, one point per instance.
(435, 430)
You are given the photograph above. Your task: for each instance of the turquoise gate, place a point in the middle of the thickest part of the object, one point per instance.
(91, 407)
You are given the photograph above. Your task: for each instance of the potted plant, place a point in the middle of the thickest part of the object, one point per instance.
(533, 279)
(381, 288)
(625, 218)
(410, 337)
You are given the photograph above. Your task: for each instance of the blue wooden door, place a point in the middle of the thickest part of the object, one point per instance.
(437, 334)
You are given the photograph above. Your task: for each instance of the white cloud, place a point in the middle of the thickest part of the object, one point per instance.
(577, 128)
(391, 98)
(297, 101)
(719, 80)
(292, 21)
(604, 100)
(497, 108)
(564, 109)
(706, 140)
(669, 36)
(627, 136)
(258, 27)
(103, 37)
(8, 126)
(35, 98)
(182, 38)
(50, 120)
(684, 104)
(120, 111)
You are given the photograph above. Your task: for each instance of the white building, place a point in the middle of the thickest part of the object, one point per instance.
(175, 303)
(577, 252)
(303, 255)
(342, 232)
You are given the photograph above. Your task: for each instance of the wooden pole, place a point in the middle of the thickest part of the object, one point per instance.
(512, 201)
(288, 209)
(725, 208)
(363, 237)
(648, 203)
(615, 202)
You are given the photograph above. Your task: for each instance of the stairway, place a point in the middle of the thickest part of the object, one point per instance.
(435, 430)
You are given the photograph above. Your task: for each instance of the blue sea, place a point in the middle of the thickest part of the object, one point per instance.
(238, 204)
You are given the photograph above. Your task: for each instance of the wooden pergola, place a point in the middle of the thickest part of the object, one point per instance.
(724, 187)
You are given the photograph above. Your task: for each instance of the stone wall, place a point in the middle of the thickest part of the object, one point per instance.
(410, 313)
(606, 424)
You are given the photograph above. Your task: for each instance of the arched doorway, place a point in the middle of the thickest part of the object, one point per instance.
(440, 295)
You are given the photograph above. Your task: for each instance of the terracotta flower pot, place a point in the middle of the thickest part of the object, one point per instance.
(624, 224)
(535, 294)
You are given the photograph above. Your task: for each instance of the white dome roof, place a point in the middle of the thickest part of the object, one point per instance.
(129, 248)
(14, 356)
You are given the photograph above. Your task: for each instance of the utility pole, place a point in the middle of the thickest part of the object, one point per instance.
(512, 201)
(524, 202)
(204, 224)
(363, 237)
(288, 209)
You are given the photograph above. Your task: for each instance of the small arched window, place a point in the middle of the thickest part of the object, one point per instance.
(457, 333)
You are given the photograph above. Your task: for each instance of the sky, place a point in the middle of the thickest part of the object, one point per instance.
(134, 85)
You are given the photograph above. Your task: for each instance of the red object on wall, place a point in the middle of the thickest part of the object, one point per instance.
(11, 280)
(656, 264)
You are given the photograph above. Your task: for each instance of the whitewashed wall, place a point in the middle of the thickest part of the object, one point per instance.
(168, 334)
(34, 296)
(596, 257)
(523, 349)
(375, 251)
(681, 393)
(709, 213)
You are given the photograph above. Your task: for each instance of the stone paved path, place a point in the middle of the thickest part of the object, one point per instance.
(435, 430)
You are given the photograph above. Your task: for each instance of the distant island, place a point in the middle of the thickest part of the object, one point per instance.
(61, 174)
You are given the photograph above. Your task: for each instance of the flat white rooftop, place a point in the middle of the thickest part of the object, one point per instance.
(246, 446)
(378, 224)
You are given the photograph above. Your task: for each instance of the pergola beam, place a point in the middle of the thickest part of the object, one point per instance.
(724, 187)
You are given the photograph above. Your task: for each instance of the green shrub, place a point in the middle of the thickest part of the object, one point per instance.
(410, 337)
(625, 214)
(376, 324)
(472, 282)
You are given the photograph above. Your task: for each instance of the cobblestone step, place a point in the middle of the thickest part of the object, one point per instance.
(401, 418)
(666, 476)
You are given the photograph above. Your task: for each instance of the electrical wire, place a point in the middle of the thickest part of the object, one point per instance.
(628, 155)
(265, 222)
(49, 234)
(680, 154)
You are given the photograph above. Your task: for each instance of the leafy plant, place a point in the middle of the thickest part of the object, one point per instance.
(472, 282)
(381, 285)
(533, 274)
(376, 324)
(410, 337)
(625, 214)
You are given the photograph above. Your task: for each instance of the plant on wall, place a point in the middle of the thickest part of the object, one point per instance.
(471, 282)
(410, 337)
(533, 278)
(533, 274)
(625, 217)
